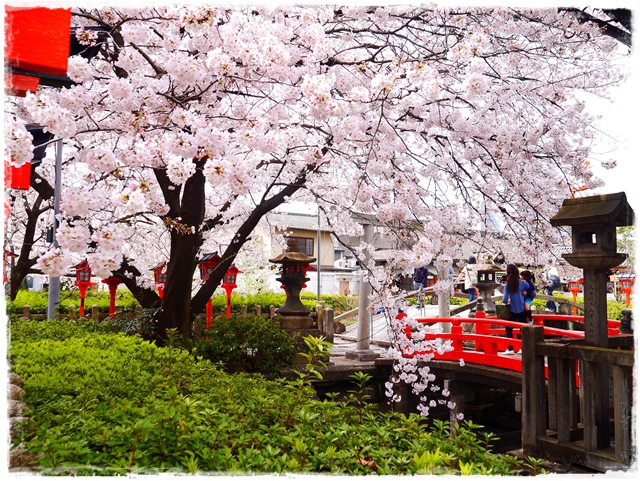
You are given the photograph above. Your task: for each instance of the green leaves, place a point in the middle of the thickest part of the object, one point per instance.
(247, 344)
(108, 404)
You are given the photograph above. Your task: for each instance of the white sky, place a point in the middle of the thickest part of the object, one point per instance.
(620, 119)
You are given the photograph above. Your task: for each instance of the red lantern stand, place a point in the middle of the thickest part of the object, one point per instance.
(113, 282)
(627, 282)
(160, 277)
(229, 285)
(575, 287)
(207, 264)
(83, 281)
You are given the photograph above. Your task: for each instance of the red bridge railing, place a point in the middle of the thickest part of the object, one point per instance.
(484, 346)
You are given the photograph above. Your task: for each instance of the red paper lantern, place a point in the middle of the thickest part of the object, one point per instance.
(37, 42)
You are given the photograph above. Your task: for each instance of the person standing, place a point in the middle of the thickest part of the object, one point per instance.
(529, 293)
(552, 281)
(513, 290)
(470, 278)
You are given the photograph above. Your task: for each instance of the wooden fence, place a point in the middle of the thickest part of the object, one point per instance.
(568, 418)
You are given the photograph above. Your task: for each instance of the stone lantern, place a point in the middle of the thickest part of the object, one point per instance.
(487, 281)
(593, 222)
(293, 315)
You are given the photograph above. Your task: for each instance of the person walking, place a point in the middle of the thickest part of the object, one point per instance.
(513, 289)
(552, 281)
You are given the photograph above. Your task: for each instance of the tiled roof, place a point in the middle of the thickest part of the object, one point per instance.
(295, 221)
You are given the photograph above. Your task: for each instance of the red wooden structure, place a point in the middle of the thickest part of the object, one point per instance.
(229, 285)
(207, 264)
(83, 281)
(626, 281)
(306, 268)
(37, 42)
(575, 286)
(160, 277)
(113, 282)
(489, 338)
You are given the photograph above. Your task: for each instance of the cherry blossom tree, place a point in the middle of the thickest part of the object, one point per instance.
(194, 122)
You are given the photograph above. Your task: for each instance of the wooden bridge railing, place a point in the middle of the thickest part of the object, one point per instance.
(562, 422)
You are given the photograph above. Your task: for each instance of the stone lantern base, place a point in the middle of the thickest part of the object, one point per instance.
(298, 327)
(295, 323)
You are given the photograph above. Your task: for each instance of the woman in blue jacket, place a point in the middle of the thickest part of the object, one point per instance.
(513, 296)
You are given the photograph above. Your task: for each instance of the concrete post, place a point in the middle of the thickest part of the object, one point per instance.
(327, 321)
(363, 352)
(444, 298)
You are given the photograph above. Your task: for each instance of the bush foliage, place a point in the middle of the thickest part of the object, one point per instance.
(247, 344)
(108, 404)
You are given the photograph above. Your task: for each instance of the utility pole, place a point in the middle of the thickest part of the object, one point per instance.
(54, 282)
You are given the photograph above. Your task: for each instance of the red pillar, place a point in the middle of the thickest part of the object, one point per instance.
(113, 282)
(209, 314)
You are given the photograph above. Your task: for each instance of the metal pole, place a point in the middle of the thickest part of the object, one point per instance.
(319, 257)
(54, 282)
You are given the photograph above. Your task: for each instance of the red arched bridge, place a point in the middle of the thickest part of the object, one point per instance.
(561, 381)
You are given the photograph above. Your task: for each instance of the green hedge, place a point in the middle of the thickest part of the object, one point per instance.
(614, 308)
(107, 404)
(38, 301)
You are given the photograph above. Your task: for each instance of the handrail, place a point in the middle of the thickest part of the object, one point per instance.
(490, 338)
(354, 311)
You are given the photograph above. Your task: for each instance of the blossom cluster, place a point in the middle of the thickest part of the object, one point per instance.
(430, 121)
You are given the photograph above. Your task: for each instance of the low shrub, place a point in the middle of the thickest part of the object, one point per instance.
(614, 308)
(247, 344)
(38, 301)
(107, 404)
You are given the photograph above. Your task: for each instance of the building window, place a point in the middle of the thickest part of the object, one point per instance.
(305, 245)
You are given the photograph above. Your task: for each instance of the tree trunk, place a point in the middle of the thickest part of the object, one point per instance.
(24, 264)
(176, 302)
(185, 219)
